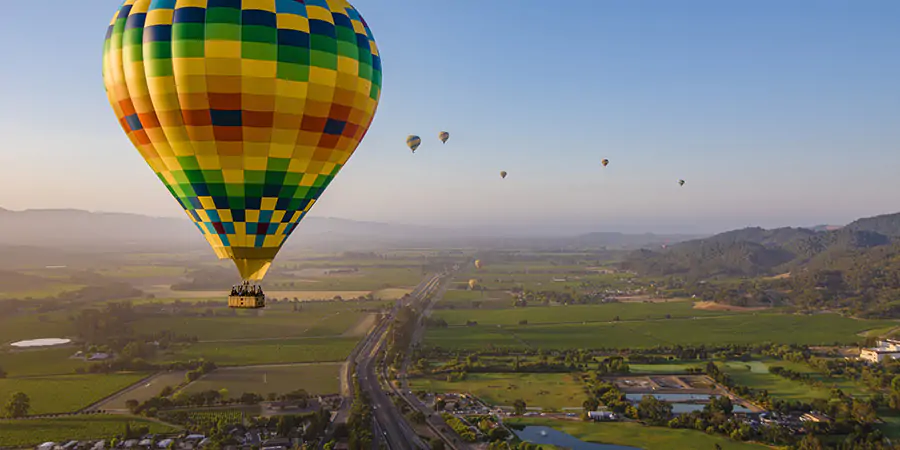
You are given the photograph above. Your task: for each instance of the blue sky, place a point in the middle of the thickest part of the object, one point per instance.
(776, 113)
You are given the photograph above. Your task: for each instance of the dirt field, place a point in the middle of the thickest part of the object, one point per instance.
(713, 306)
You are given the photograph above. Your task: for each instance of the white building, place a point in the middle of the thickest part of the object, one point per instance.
(887, 348)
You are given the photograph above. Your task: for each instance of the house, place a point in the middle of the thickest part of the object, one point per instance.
(887, 348)
(815, 417)
(277, 444)
(47, 446)
(99, 357)
(599, 416)
(165, 443)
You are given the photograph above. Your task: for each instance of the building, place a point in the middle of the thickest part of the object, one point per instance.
(885, 349)
(815, 417)
(598, 416)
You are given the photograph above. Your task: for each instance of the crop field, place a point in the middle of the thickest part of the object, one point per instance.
(465, 299)
(552, 391)
(543, 281)
(66, 393)
(633, 434)
(366, 279)
(268, 324)
(317, 379)
(145, 390)
(270, 351)
(576, 313)
(664, 368)
(35, 326)
(735, 329)
(31, 432)
(52, 361)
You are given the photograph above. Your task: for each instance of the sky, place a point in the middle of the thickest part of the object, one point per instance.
(775, 113)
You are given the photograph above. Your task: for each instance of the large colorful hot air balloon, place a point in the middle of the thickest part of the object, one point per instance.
(477, 263)
(413, 142)
(472, 283)
(443, 136)
(246, 110)
(502, 174)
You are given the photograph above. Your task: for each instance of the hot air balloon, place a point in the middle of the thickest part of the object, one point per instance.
(245, 111)
(443, 136)
(477, 263)
(472, 283)
(605, 162)
(681, 182)
(502, 174)
(413, 142)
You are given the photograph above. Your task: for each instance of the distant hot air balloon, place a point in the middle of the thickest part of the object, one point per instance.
(477, 263)
(605, 162)
(681, 182)
(413, 142)
(502, 174)
(443, 136)
(472, 283)
(245, 111)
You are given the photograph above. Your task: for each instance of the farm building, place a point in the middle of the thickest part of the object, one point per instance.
(888, 348)
(599, 416)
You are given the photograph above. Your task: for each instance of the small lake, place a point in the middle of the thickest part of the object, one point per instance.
(48, 342)
(547, 435)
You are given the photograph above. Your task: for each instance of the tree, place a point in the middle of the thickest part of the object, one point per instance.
(132, 404)
(520, 406)
(811, 442)
(2, 373)
(591, 404)
(17, 406)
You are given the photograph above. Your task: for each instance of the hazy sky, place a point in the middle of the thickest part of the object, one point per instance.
(775, 112)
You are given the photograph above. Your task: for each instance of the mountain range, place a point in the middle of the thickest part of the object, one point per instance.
(756, 251)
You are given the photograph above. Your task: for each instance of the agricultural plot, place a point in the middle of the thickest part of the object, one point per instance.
(271, 351)
(366, 279)
(28, 433)
(35, 326)
(664, 368)
(636, 435)
(755, 374)
(551, 391)
(267, 325)
(66, 393)
(145, 390)
(576, 313)
(818, 329)
(52, 361)
(465, 299)
(316, 379)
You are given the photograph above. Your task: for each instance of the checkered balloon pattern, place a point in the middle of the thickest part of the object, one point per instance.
(245, 109)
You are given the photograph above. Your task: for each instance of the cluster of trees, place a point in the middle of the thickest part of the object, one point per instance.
(568, 296)
(400, 334)
(359, 423)
(459, 427)
(607, 394)
(17, 406)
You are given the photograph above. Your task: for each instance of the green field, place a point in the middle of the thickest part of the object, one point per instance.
(664, 368)
(755, 374)
(66, 393)
(35, 326)
(633, 434)
(52, 361)
(145, 390)
(367, 279)
(576, 313)
(31, 432)
(317, 379)
(272, 351)
(464, 299)
(735, 329)
(550, 391)
(270, 324)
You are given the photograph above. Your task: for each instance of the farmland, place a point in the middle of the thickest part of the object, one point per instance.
(755, 374)
(66, 393)
(27, 433)
(633, 434)
(316, 379)
(52, 361)
(734, 329)
(275, 351)
(545, 390)
(144, 390)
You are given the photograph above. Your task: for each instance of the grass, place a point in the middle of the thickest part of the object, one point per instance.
(52, 361)
(551, 391)
(65, 393)
(31, 432)
(734, 329)
(268, 351)
(35, 326)
(367, 279)
(464, 299)
(145, 390)
(269, 324)
(51, 289)
(633, 434)
(664, 368)
(755, 374)
(576, 313)
(317, 379)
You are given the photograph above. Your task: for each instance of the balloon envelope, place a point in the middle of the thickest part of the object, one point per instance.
(443, 136)
(413, 142)
(681, 182)
(605, 162)
(503, 174)
(477, 263)
(246, 111)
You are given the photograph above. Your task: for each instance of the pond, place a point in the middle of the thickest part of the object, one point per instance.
(47, 342)
(547, 435)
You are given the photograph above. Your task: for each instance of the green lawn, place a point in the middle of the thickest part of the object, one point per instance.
(308, 322)
(31, 432)
(367, 279)
(267, 352)
(53, 361)
(314, 378)
(755, 374)
(664, 368)
(735, 329)
(35, 326)
(546, 390)
(66, 393)
(636, 435)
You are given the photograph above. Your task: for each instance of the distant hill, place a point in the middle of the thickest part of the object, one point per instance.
(83, 231)
(756, 251)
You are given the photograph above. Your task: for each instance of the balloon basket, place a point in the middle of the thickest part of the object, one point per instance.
(247, 296)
